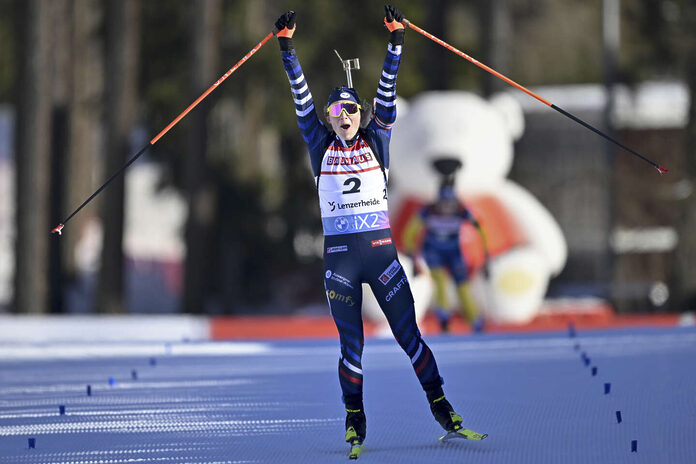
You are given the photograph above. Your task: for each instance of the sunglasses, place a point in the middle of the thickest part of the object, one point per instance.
(350, 108)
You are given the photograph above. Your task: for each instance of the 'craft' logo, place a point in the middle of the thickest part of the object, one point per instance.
(396, 288)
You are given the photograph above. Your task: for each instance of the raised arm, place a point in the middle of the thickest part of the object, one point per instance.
(385, 101)
(313, 130)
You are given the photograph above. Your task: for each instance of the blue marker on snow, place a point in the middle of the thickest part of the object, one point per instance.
(585, 359)
(594, 370)
(32, 443)
(112, 381)
(607, 388)
(634, 446)
(618, 417)
(61, 410)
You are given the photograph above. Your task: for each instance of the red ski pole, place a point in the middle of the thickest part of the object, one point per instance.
(449, 47)
(58, 229)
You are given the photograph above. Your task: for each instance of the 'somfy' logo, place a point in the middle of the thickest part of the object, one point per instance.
(333, 295)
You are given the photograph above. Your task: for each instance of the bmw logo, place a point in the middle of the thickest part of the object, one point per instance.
(328, 274)
(345, 95)
(341, 224)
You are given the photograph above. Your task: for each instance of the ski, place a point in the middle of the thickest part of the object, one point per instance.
(464, 434)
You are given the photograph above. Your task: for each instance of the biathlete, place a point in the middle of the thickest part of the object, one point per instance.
(441, 250)
(351, 165)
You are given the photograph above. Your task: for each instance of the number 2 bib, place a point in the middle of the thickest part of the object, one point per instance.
(352, 189)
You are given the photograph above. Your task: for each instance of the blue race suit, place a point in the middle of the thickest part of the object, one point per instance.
(351, 182)
(441, 242)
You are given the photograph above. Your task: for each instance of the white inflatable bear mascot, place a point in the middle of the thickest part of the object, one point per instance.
(526, 244)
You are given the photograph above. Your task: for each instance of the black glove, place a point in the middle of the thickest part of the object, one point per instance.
(393, 13)
(286, 27)
(392, 20)
(487, 267)
(286, 24)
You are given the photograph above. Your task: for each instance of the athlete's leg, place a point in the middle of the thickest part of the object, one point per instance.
(460, 273)
(388, 281)
(438, 275)
(344, 295)
(390, 286)
(466, 301)
(345, 308)
(439, 278)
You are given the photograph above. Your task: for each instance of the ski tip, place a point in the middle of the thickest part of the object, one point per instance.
(661, 170)
(58, 229)
(464, 434)
(471, 435)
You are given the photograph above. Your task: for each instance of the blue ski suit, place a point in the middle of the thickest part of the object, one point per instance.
(441, 242)
(351, 178)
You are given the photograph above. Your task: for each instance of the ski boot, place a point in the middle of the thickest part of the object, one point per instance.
(478, 326)
(443, 318)
(450, 421)
(355, 431)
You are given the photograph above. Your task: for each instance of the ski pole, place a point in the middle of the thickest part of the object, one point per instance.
(659, 168)
(59, 228)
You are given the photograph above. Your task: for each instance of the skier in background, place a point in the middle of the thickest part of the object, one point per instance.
(351, 167)
(442, 221)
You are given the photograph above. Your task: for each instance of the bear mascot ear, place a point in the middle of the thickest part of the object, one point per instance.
(511, 111)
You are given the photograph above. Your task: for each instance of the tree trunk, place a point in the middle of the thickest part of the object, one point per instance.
(611, 41)
(437, 77)
(87, 85)
(686, 249)
(33, 160)
(199, 187)
(122, 21)
(61, 75)
(495, 38)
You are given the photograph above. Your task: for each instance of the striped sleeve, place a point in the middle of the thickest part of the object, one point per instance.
(385, 101)
(313, 131)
